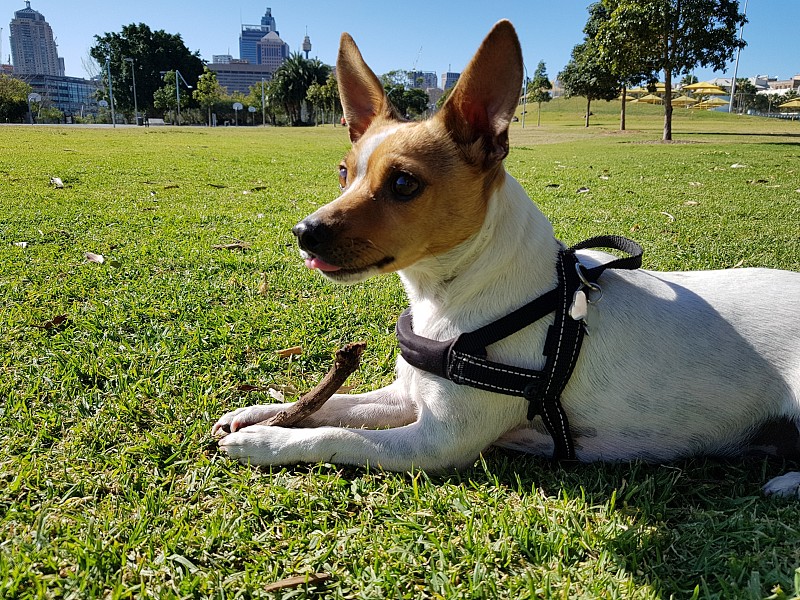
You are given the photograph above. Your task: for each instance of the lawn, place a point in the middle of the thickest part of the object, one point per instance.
(112, 373)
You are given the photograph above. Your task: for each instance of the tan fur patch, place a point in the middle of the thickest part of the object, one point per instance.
(375, 227)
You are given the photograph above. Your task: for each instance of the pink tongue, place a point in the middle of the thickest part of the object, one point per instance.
(315, 263)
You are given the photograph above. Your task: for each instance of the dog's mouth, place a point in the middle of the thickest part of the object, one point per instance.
(344, 274)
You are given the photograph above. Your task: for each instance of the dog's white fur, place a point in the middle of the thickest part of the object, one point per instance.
(677, 364)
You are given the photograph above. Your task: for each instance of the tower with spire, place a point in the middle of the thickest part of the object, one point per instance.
(306, 44)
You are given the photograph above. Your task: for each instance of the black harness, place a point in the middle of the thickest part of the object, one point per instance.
(463, 360)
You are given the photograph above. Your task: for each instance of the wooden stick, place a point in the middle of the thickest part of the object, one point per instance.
(346, 362)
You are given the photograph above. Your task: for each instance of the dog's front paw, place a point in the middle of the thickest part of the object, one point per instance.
(245, 417)
(259, 445)
(785, 485)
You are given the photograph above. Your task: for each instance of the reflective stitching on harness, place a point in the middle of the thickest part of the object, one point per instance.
(469, 359)
(562, 276)
(466, 358)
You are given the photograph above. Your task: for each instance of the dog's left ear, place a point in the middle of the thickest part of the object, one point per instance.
(482, 104)
(361, 92)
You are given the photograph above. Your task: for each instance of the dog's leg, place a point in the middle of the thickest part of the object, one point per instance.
(784, 485)
(439, 438)
(386, 407)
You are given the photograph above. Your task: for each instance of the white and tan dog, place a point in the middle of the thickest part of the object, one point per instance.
(677, 364)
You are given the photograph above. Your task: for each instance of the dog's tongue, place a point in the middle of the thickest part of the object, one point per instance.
(316, 263)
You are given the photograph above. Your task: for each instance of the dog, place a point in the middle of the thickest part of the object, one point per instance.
(677, 364)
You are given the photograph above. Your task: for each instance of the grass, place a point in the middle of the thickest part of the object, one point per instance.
(110, 486)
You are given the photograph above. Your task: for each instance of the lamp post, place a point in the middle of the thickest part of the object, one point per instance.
(178, 91)
(263, 105)
(736, 65)
(110, 87)
(135, 103)
(524, 95)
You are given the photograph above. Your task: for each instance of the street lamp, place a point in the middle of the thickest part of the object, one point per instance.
(110, 86)
(135, 103)
(178, 91)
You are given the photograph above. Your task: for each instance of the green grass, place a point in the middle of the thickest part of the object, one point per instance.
(111, 487)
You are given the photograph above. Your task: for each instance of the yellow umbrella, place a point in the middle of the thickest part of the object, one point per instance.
(683, 101)
(705, 88)
(637, 90)
(710, 103)
(791, 104)
(650, 99)
(628, 98)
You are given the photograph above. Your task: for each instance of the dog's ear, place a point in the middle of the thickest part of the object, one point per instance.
(484, 99)
(361, 92)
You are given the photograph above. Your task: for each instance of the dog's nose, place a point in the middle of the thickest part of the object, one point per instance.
(312, 234)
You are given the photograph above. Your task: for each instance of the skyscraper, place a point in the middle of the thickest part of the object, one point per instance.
(252, 34)
(33, 46)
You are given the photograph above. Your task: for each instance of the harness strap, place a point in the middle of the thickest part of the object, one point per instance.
(463, 359)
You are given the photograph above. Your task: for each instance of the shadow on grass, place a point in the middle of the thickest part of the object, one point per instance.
(698, 525)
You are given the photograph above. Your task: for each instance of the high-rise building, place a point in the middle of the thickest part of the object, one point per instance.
(253, 35)
(423, 79)
(33, 46)
(449, 79)
(272, 51)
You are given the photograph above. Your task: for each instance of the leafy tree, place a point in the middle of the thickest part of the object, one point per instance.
(745, 95)
(689, 79)
(626, 60)
(325, 97)
(539, 89)
(409, 102)
(13, 99)
(589, 76)
(674, 37)
(166, 98)
(153, 53)
(292, 80)
(209, 92)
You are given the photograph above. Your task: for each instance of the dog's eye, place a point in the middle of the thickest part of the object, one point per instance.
(342, 177)
(404, 186)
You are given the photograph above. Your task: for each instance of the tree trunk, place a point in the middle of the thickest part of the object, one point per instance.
(588, 110)
(622, 110)
(667, 105)
(539, 116)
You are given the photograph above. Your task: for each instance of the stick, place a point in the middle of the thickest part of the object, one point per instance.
(346, 362)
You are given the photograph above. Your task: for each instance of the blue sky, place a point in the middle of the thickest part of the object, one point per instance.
(433, 35)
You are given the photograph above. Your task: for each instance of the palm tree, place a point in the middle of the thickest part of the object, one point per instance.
(292, 80)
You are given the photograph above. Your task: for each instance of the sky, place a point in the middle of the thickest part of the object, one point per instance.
(423, 34)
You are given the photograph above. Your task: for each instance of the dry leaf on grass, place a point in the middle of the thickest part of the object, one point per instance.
(56, 181)
(55, 324)
(237, 245)
(295, 582)
(263, 287)
(95, 258)
(21, 244)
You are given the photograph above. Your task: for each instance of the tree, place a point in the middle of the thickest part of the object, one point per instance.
(539, 89)
(325, 97)
(209, 92)
(292, 80)
(745, 96)
(13, 99)
(166, 98)
(153, 53)
(627, 61)
(674, 37)
(589, 76)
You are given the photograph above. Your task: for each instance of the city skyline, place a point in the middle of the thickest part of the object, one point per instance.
(435, 37)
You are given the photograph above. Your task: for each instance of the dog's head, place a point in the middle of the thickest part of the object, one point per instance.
(414, 190)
